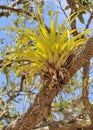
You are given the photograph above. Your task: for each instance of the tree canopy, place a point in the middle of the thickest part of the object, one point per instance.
(46, 64)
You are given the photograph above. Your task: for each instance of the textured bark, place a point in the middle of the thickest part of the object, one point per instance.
(85, 91)
(64, 127)
(69, 127)
(73, 7)
(60, 126)
(41, 108)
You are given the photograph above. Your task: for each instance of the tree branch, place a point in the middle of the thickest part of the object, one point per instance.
(17, 10)
(16, 2)
(41, 108)
(57, 125)
(73, 9)
(89, 20)
(20, 89)
(59, 1)
(4, 112)
(85, 90)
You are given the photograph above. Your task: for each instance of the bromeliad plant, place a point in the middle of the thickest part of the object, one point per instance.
(49, 53)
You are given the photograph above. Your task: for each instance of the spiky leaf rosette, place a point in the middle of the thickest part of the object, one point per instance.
(50, 49)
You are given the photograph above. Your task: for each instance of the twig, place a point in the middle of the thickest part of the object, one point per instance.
(16, 2)
(4, 112)
(89, 21)
(20, 89)
(59, 1)
(19, 10)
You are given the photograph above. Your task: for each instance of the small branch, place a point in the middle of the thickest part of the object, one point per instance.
(3, 7)
(16, 2)
(4, 112)
(89, 21)
(20, 89)
(9, 65)
(59, 1)
(12, 97)
(1, 62)
(17, 10)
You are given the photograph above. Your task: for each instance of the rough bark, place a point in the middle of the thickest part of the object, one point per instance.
(41, 108)
(85, 91)
(73, 9)
(60, 126)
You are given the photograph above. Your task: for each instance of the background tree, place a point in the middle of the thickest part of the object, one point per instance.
(34, 92)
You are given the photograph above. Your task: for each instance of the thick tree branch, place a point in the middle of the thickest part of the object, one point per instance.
(13, 4)
(69, 126)
(41, 108)
(57, 125)
(85, 90)
(3, 7)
